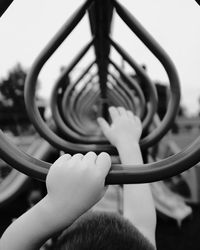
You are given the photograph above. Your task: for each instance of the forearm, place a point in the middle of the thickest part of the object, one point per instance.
(124, 133)
(129, 153)
(138, 202)
(31, 230)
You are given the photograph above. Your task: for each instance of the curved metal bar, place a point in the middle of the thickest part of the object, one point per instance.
(133, 85)
(62, 79)
(80, 97)
(30, 88)
(71, 132)
(198, 2)
(68, 91)
(81, 107)
(72, 121)
(74, 113)
(120, 95)
(121, 92)
(73, 116)
(165, 60)
(92, 97)
(145, 122)
(65, 127)
(68, 131)
(4, 5)
(56, 99)
(113, 97)
(152, 96)
(127, 91)
(119, 174)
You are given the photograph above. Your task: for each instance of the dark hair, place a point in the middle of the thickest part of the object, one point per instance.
(102, 231)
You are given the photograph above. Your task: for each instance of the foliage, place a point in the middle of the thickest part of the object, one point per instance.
(12, 89)
(12, 106)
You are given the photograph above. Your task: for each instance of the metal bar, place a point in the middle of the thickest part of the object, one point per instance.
(152, 93)
(4, 5)
(132, 85)
(100, 16)
(125, 89)
(72, 86)
(120, 95)
(75, 61)
(62, 122)
(30, 89)
(167, 63)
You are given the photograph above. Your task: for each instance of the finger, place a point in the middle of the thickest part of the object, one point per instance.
(76, 157)
(62, 160)
(103, 124)
(137, 119)
(103, 162)
(114, 114)
(90, 158)
(130, 114)
(122, 111)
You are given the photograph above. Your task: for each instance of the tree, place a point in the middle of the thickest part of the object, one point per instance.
(12, 106)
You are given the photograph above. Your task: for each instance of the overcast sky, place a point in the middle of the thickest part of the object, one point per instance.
(28, 25)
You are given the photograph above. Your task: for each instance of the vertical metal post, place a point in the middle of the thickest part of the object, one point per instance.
(100, 15)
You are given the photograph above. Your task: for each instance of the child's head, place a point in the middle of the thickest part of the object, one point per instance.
(102, 231)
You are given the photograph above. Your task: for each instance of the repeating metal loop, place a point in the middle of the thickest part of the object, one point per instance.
(119, 174)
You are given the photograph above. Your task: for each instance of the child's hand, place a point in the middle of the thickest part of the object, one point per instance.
(76, 183)
(125, 127)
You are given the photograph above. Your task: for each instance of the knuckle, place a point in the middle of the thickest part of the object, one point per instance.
(91, 153)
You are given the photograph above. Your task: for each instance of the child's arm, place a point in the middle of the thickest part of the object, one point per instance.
(124, 133)
(74, 184)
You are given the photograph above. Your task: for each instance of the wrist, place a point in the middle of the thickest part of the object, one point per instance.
(35, 227)
(127, 143)
(54, 216)
(130, 153)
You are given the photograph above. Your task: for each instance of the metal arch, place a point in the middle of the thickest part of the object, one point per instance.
(41, 127)
(62, 122)
(168, 65)
(118, 174)
(152, 93)
(4, 6)
(132, 85)
(126, 90)
(88, 86)
(120, 95)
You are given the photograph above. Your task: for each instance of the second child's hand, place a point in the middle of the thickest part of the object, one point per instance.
(124, 133)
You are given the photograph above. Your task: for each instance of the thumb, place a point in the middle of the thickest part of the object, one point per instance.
(103, 125)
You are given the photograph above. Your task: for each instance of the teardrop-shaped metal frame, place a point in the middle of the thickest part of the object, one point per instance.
(119, 174)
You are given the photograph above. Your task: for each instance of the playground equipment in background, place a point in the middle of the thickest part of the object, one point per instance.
(16, 182)
(67, 133)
